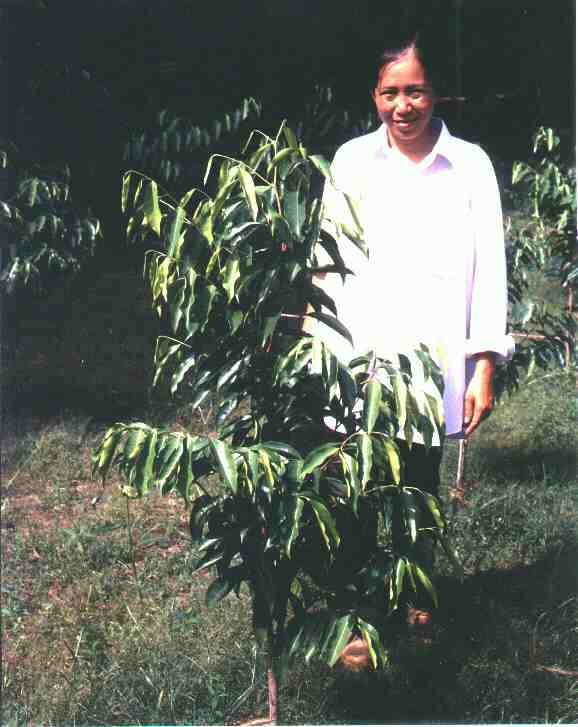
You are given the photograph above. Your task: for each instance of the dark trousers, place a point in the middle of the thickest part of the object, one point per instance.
(421, 469)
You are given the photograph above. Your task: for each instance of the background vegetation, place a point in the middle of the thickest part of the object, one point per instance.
(102, 622)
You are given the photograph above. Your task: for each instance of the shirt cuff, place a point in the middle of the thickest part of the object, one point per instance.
(502, 346)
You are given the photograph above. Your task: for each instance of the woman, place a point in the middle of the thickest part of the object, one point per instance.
(436, 273)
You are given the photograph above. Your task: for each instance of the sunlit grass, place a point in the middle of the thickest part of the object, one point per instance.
(101, 630)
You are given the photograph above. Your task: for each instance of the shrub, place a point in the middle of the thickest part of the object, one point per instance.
(318, 524)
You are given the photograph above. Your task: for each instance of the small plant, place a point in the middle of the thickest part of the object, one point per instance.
(319, 525)
(543, 239)
(45, 234)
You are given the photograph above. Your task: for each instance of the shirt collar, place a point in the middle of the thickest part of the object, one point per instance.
(444, 146)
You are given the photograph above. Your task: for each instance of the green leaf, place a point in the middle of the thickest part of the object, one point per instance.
(134, 444)
(169, 459)
(209, 559)
(282, 448)
(347, 386)
(185, 477)
(322, 165)
(279, 228)
(293, 209)
(235, 319)
(294, 471)
(400, 393)
(268, 279)
(231, 372)
(175, 299)
(175, 234)
(327, 636)
(319, 456)
(426, 582)
(325, 521)
(32, 192)
(280, 157)
(372, 395)
(162, 277)
(218, 589)
(252, 475)
(200, 395)
(204, 306)
(231, 274)
(392, 453)
(318, 298)
(104, 455)
(400, 571)
(365, 457)
(290, 137)
(355, 235)
(433, 505)
(265, 461)
(269, 325)
(411, 512)
(314, 638)
(141, 475)
(226, 463)
(226, 408)
(184, 367)
(329, 372)
(125, 191)
(333, 323)
(248, 186)
(371, 637)
(436, 410)
(332, 248)
(349, 466)
(339, 639)
(199, 513)
(190, 324)
(294, 516)
(152, 212)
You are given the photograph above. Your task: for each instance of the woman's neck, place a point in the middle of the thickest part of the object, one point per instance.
(417, 149)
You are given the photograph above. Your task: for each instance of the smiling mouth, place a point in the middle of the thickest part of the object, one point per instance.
(405, 125)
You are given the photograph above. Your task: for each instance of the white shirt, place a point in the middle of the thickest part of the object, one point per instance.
(436, 272)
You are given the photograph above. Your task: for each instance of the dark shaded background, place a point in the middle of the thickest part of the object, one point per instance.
(517, 64)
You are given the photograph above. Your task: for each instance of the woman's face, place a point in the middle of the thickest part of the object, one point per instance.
(404, 101)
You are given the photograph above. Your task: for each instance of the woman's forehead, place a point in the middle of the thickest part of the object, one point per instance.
(405, 70)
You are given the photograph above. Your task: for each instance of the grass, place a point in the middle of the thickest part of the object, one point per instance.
(104, 624)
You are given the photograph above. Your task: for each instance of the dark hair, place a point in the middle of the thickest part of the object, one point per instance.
(417, 46)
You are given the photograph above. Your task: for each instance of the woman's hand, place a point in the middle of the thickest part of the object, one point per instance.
(479, 398)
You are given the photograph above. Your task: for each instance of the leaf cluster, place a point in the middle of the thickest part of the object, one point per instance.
(542, 239)
(44, 233)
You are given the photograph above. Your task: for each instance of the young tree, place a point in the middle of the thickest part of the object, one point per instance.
(317, 522)
(45, 235)
(542, 235)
